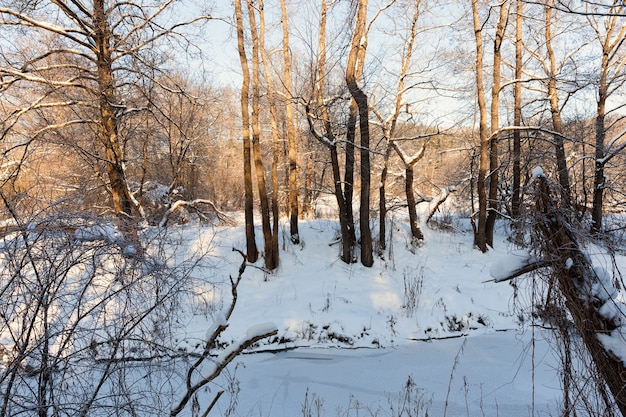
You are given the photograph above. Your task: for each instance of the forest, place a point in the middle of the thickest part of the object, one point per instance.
(123, 120)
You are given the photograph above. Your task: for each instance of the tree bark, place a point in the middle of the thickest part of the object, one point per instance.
(611, 34)
(409, 163)
(480, 236)
(102, 35)
(271, 252)
(292, 146)
(252, 252)
(354, 69)
(346, 225)
(493, 204)
(516, 200)
(555, 110)
(275, 136)
(389, 128)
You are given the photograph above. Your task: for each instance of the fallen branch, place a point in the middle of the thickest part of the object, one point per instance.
(588, 294)
(223, 217)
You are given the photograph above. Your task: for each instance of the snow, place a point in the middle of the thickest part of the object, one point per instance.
(537, 172)
(615, 342)
(508, 264)
(98, 232)
(260, 330)
(349, 337)
(353, 335)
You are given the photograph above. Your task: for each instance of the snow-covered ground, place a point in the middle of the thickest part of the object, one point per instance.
(425, 331)
(349, 337)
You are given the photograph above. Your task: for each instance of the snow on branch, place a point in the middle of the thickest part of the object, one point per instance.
(411, 160)
(218, 363)
(319, 136)
(194, 204)
(513, 265)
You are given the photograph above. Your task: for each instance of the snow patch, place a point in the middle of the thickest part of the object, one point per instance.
(260, 330)
(538, 172)
(615, 342)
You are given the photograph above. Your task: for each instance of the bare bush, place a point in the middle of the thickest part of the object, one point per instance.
(88, 323)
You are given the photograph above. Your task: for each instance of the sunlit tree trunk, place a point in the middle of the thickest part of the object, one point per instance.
(252, 252)
(345, 223)
(555, 110)
(480, 236)
(271, 253)
(517, 111)
(390, 127)
(354, 69)
(409, 164)
(292, 145)
(493, 204)
(273, 238)
(610, 32)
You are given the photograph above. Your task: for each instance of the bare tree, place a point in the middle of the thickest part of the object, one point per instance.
(251, 249)
(388, 125)
(488, 166)
(517, 110)
(354, 70)
(409, 162)
(328, 139)
(291, 131)
(588, 294)
(610, 31)
(270, 236)
(480, 233)
(96, 55)
(555, 110)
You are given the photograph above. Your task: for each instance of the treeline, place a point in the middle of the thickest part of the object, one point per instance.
(373, 107)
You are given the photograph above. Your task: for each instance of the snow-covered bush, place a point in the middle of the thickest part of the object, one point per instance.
(79, 313)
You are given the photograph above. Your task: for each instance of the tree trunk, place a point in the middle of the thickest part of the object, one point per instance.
(555, 110)
(516, 200)
(480, 236)
(611, 35)
(252, 252)
(345, 223)
(493, 205)
(598, 178)
(291, 133)
(348, 172)
(382, 203)
(409, 163)
(389, 128)
(275, 133)
(271, 254)
(416, 232)
(102, 35)
(354, 69)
